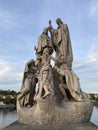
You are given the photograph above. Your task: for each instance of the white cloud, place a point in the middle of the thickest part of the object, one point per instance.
(8, 20)
(83, 64)
(93, 52)
(5, 19)
(10, 75)
(90, 57)
(88, 75)
(93, 9)
(87, 70)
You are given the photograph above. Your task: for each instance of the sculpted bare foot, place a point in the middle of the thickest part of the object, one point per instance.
(46, 94)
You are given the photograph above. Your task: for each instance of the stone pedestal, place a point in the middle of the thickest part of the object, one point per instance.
(48, 112)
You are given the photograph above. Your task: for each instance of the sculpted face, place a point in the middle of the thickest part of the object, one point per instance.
(45, 31)
(58, 21)
(46, 51)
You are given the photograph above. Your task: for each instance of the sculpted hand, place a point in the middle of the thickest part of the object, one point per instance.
(50, 26)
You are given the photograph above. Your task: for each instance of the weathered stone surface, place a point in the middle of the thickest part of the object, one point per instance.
(82, 126)
(59, 99)
(47, 112)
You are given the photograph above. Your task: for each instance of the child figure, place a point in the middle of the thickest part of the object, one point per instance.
(45, 75)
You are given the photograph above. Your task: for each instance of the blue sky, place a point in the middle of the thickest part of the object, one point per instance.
(21, 23)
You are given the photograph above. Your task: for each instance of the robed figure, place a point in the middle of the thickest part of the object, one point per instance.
(26, 96)
(62, 44)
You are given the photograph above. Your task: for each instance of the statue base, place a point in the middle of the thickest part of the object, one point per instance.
(48, 112)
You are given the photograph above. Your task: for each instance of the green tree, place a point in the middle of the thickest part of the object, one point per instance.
(92, 97)
(96, 98)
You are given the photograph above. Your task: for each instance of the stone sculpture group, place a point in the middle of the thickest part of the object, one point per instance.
(52, 90)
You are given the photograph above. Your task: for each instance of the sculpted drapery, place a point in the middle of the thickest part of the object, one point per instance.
(62, 45)
(42, 70)
(43, 42)
(28, 85)
(50, 94)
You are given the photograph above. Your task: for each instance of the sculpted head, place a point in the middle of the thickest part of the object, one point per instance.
(45, 31)
(46, 51)
(58, 21)
(32, 62)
